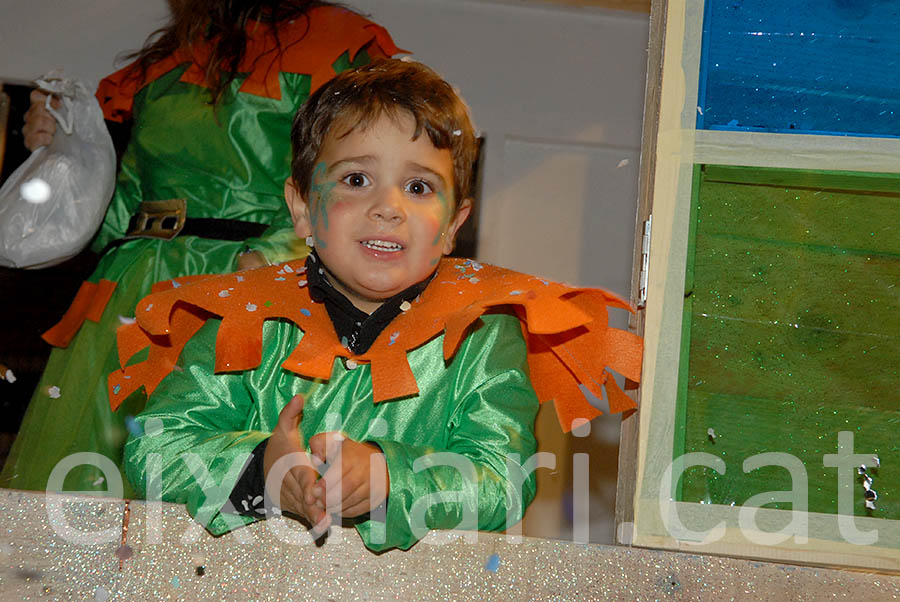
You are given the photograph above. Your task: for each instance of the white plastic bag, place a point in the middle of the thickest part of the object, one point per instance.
(51, 206)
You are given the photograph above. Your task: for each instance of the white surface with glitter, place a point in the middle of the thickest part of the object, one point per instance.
(255, 564)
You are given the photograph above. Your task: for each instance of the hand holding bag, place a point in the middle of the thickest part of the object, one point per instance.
(51, 206)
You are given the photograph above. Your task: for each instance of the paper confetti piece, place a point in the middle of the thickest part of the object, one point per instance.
(351, 365)
(7, 374)
(405, 306)
(622, 163)
(98, 481)
(124, 552)
(305, 312)
(133, 426)
(53, 392)
(224, 293)
(126, 320)
(251, 307)
(493, 563)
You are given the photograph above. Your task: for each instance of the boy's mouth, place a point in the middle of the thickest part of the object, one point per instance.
(383, 246)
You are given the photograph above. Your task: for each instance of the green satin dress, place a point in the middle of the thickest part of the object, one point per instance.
(480, 407)
(227, 163)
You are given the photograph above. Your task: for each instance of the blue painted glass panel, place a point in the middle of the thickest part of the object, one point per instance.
(804, 66)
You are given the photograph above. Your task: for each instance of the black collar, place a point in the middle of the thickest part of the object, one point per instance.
(356, 329)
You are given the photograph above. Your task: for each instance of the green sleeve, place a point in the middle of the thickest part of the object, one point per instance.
(476, 481)
(199, 429)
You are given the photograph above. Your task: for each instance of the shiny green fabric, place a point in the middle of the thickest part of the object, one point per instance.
(481, 406)
(230, 162)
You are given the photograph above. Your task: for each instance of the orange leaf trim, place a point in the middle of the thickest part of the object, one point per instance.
(89, 304)
(308, 46)
(569, 341)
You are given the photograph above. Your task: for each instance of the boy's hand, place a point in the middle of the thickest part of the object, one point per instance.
(356, 480)
(293, 475)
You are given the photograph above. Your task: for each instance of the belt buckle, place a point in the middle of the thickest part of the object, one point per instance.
(158, 219)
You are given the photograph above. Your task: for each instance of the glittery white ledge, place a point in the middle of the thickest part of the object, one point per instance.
(37, 563)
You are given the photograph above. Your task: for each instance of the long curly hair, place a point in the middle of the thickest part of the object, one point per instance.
(222, 25)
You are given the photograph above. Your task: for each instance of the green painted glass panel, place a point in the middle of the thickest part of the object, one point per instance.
(792, 331)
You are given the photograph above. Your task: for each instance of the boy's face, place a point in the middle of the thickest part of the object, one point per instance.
(380, 208)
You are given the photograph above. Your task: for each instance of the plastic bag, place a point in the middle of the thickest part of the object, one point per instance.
(51, 206)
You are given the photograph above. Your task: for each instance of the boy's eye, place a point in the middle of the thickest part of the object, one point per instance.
(356, 180)
(418, 187)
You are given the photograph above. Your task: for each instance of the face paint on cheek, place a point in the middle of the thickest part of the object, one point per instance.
(444, 221)
(321, 192)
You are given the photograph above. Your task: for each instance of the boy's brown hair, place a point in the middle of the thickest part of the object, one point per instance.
(360, 96)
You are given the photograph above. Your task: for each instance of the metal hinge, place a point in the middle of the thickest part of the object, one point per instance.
(645, 262)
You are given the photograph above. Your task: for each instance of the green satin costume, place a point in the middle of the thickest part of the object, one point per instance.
(229, 163)
(480, 405)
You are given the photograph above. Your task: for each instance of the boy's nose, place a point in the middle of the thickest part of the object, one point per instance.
(388, 207)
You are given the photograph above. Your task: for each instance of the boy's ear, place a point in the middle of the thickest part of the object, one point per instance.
(459, 218)
(298, 207)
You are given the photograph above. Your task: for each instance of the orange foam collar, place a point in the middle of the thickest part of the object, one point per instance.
(570, 343)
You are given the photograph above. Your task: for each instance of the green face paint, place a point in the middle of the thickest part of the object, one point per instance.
(446, 218)
(320, 191)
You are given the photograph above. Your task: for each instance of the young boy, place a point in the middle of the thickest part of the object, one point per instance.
(406, 373)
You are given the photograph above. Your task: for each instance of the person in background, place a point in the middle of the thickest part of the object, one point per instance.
(209, 100)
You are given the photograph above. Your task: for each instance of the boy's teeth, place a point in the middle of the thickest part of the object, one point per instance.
(382, 245)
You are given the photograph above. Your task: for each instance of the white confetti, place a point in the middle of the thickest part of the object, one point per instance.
(100, 594)
(53, 392)
(126, 320)
(457, 132)
(9, 376)
(288, 269)
(700, 109)
(35, 191)
(351, 364)
(711, 433)
(623, 163)
(224, 293)
(309, 241)
(251, 307)
(405, 306)
(98, 481)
